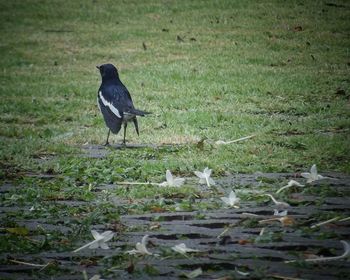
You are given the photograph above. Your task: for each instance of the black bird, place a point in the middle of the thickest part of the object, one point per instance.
(115, 102)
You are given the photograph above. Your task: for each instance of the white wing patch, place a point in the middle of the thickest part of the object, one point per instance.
(110, 105)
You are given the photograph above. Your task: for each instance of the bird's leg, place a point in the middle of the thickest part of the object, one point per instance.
(107, 143)
(125, 125)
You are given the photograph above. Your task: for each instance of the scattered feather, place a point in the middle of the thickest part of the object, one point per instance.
(193, 274)
(183, 249)
(141, 248)
(204, 177)
(281, 214)
(172, 181)
(96, 277)
(232, 200)
(241, 272)
(291, 183)
(312, 175)
(99, 242)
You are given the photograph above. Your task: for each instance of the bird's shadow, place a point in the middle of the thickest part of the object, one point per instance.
(127, 146)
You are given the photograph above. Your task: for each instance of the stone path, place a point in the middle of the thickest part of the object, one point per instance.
(228, 239)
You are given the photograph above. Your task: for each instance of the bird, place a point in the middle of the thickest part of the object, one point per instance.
(115, 102)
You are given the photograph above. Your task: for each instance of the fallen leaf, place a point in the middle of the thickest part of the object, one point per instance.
(18, 230)
(297, 28)
(154, 226)
(340, 91)
(88, 262)
(130, 269)
(225, 240)
(195, 273)
(200, 143)
(179, 39)
(287, 221)
(158, 209)
(243, 242)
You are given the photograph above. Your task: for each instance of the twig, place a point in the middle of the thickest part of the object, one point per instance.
(269, 220)
(278, 203)
(30, 264)
(346, 253)
(45, 266)
(325, 222)
(283, 188)
(225, 230)
(137, 183)
(283, 277)
(32, 240)
(220, 142)
(250, 215)
(335, 219)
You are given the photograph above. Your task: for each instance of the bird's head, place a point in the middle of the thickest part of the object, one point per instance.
(108, 72)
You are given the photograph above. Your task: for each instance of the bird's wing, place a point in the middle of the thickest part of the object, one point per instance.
(119, 98)
(109, 100)
(119, 101)
(111, 119)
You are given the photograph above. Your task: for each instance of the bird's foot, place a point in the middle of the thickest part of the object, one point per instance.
(106, 144)
(124, 144)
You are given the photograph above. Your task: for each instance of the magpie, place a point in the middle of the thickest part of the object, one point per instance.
(115, 102)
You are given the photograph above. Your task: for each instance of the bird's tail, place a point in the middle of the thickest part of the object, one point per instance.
(138, 112)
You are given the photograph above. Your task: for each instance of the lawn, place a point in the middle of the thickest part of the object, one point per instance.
(207, 70)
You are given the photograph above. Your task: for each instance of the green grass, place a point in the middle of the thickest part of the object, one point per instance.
(245, 71)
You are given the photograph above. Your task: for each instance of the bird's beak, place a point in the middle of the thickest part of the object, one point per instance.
(98, 67)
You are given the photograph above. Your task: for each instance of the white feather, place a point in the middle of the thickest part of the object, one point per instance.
(109, 105)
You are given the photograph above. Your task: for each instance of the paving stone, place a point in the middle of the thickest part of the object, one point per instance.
(224, 241)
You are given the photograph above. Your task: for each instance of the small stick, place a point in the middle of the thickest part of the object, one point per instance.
(269, 220)
(250, 215)
(346, 253)
(137, 183)
(278, 203)
(326, 222)
(30, 264)
(225, 230)
(220, 142)
(284, 277)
